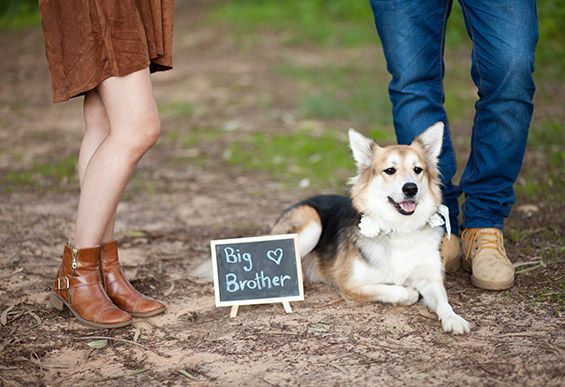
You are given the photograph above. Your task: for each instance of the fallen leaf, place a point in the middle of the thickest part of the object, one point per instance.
(4, 316)
(187, 374)
(136, 334)
(97, 344)
(138, 371)
(134, 234)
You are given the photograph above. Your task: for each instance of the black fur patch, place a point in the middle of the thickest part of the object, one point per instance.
(337, 215)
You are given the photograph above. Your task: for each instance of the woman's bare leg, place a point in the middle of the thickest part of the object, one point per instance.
(134, 128)
(97, 127)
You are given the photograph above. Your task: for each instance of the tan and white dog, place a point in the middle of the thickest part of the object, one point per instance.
(382, 243)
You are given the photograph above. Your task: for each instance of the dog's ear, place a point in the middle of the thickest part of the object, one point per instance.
(431, 140)
(362, 149)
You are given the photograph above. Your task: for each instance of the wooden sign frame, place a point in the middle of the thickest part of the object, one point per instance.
(285, 300)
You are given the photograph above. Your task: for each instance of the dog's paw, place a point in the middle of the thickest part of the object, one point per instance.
(455, 324)
(410, 297)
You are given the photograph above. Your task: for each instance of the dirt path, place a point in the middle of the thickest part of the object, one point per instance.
(182, 197)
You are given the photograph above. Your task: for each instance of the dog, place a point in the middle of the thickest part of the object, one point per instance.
(382, 242)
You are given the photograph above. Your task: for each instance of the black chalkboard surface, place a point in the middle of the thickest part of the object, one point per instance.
(257, 270)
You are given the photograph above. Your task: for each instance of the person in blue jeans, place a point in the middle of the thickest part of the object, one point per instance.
(504, 35)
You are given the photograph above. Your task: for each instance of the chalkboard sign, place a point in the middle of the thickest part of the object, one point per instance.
(257, 270)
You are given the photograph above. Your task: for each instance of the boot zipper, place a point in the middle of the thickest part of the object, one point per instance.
(74, 263)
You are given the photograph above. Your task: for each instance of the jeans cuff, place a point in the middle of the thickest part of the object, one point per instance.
(483, 223)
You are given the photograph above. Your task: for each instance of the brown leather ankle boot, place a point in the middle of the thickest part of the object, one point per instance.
(120, 290)
(78, 285)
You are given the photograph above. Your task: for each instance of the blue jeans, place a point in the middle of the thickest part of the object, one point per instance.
(504, 36)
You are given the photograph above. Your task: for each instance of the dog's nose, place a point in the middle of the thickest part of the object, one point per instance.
(410, 189)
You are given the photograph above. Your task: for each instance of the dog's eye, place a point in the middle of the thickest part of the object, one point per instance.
(390, 171)
(418, 170)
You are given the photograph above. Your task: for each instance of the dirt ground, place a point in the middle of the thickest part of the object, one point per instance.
(180, 200)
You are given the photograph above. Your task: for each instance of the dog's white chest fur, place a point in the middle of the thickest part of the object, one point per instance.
(399, 258)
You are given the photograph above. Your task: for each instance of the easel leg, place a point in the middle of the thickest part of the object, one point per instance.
(287, 307)
(233, 312)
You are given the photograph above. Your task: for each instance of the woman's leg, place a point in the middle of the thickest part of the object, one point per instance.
(134, 128)
(97, 127)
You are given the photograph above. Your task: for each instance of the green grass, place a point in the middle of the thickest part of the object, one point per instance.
(58, 172)
(548, 138)
(547, 143)
(176, 109)
(324, 159)
(199, 136)
(187, 145)
(18, 14)
(324, 107)
(357, 93)
(343, 23)
(189, 137)
(141, 182)
(556, 298)
(456, 33)
(296, 156)
(351, 93)
(550, 52)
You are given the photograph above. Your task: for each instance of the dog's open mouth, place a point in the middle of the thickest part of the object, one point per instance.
(406, 207)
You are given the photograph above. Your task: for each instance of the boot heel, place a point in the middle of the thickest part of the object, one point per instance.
(56, 302)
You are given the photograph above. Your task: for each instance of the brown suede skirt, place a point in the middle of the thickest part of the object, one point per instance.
(87, 41)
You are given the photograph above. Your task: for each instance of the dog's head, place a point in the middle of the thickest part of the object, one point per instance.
(398, 185)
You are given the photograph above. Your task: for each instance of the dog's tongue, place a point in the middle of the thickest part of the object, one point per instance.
(408, 206)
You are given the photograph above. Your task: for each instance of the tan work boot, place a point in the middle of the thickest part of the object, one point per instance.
(485, 257)
(450, 251)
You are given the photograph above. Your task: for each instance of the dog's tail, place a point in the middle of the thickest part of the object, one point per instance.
(305, 221)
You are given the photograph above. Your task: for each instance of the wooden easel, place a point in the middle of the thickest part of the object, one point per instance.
(235, 309)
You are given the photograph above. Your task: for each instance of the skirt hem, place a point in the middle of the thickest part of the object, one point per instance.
(59, 97)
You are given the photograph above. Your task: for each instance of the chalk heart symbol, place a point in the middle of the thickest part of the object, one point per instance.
(275, 255)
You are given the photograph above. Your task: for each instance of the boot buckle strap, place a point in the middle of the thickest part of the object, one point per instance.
(63, 281)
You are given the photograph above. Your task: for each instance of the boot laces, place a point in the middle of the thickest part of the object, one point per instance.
(487, 239)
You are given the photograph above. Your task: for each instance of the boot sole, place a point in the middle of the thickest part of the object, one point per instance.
(487, 285)
(149, 314)
(57, 302)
